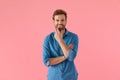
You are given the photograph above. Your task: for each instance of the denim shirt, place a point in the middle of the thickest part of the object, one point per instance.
(65, 70)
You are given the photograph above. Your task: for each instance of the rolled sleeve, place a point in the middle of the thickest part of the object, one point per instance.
(46, 52)
(73, 52)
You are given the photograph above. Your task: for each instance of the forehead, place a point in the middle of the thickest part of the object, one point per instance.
(61, 16)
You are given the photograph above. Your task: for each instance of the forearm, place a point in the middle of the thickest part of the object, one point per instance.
(57, 60)
(64, 47)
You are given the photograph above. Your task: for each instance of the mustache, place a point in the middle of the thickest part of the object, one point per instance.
(61, 29)
(61, 25)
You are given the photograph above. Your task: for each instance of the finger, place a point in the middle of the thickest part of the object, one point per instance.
(58, 31)
(71, 46)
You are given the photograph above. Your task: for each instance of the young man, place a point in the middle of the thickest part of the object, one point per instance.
(60, 49)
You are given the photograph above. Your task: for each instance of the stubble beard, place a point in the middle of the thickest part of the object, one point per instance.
(60, 27)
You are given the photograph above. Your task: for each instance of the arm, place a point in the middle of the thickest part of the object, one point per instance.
(64, 47)
(47, 60)
(69, 53)
(57, 60)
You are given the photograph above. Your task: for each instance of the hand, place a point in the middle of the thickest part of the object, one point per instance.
(71, 46)
(59, 34)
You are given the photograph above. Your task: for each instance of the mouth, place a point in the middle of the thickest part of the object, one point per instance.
(60, 27)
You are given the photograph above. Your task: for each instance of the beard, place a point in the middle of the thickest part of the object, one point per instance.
(60, 27)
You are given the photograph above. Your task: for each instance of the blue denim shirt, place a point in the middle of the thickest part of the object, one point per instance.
(65, 70)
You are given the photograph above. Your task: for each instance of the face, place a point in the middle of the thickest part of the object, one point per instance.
(60, 21)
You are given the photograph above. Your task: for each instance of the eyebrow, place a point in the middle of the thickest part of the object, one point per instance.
(61, 19)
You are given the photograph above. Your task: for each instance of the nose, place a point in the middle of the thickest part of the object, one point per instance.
(60, 22)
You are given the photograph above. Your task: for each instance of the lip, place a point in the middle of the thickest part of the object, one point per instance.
(60, 26)
(61, 29)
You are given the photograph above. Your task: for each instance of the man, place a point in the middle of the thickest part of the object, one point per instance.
(60, 49)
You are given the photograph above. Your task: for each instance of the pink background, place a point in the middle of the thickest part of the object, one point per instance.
(25, 23)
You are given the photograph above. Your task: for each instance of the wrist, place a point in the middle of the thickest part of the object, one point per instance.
(64, 57)
(60, 41)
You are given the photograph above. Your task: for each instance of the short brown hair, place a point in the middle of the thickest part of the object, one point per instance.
(58, 12)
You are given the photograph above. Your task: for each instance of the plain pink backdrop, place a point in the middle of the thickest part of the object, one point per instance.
(25, 23)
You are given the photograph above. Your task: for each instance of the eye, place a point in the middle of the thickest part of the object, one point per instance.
(57, 20)
(62, 20)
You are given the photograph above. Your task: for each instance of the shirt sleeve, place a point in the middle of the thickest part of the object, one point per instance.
(46, 51)
(73, 52)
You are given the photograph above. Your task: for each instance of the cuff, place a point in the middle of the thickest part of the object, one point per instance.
(70, 55)
(48, 63)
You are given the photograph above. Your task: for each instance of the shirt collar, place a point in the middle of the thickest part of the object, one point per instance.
(66, 32)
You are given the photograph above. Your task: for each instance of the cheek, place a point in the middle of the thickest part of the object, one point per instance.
(55, 23)
(64, 22)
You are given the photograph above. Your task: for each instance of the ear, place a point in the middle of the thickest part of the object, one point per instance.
(53, 20)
